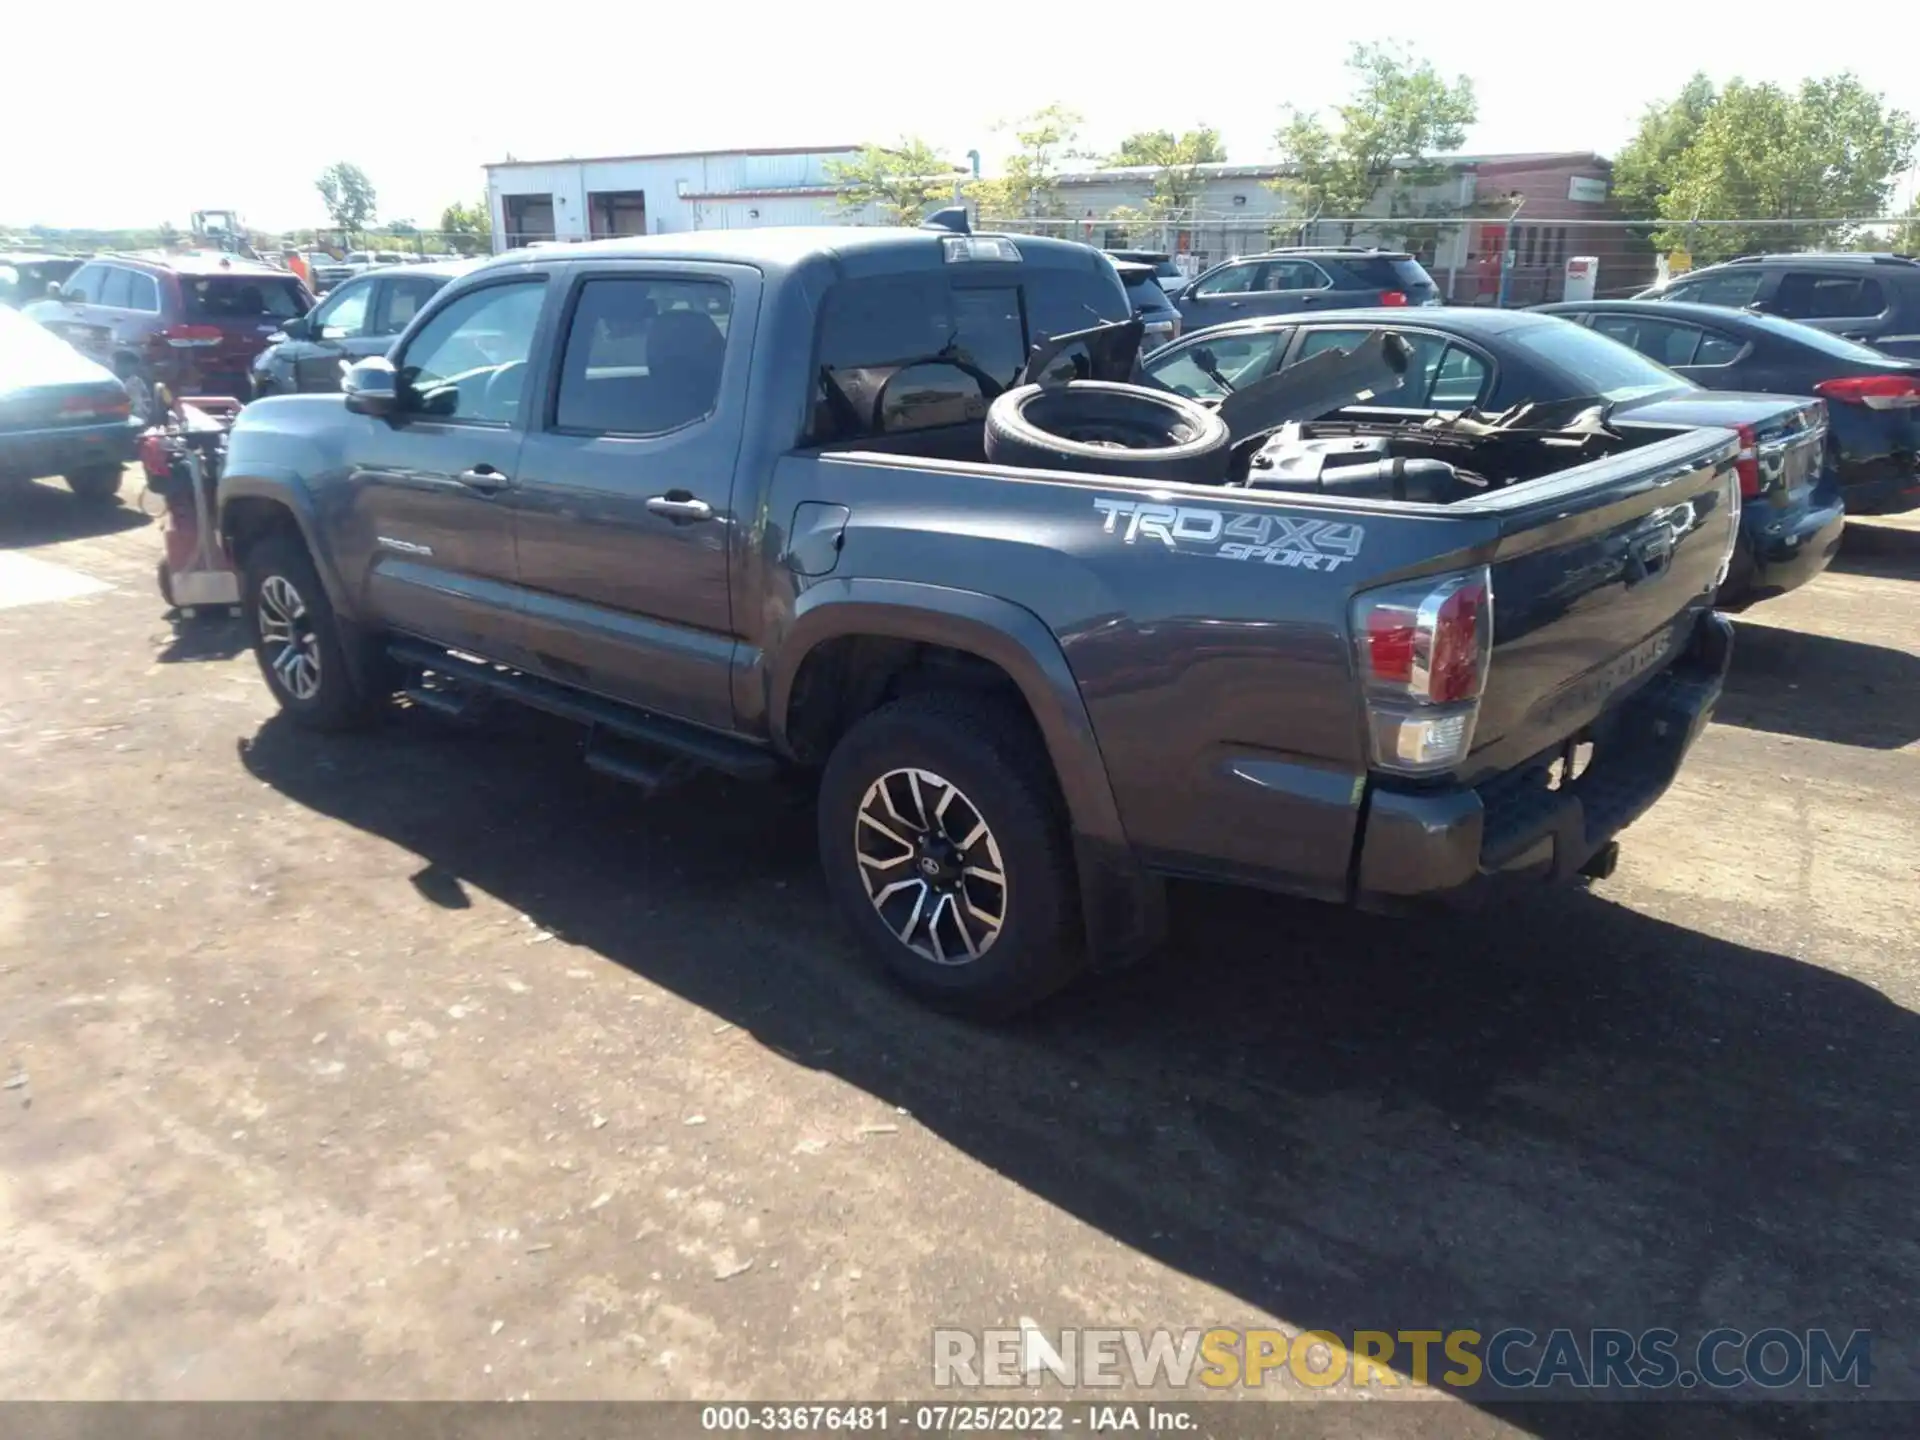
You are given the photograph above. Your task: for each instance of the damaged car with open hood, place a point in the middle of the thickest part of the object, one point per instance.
(884, 506)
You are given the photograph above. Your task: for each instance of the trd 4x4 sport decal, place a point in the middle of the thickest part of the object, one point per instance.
(1235, 535)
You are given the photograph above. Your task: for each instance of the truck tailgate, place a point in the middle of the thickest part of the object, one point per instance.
(1598, 576)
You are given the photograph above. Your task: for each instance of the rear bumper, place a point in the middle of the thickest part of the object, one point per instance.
(1888, 490)
(1458, 844)
(30, 454)
(1782, 546)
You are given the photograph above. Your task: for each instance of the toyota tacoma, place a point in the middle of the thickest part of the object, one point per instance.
(882, 505)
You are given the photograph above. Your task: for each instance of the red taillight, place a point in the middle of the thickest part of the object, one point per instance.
(1394, 297)
(1390, 634)
(104, 407)
(189, 336)
(1746, 464)
(1424, 649)
(1876, 392)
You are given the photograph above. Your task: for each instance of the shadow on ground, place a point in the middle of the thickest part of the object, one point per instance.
(215, 635)
(1579, 1115)
(1793, 682)
(45, 512)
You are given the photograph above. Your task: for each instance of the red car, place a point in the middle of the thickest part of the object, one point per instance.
(190, 322)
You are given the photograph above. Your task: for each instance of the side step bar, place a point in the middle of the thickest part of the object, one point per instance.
(683, 742)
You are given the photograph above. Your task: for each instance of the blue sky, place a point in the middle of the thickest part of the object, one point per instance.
(420, 97)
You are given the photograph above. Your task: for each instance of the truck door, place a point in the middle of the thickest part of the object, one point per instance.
(624, 513)
(428, 535)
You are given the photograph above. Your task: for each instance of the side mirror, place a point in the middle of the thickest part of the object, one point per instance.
(294, 329)
(372, 387)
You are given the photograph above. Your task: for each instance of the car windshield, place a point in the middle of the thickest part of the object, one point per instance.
(1596, 365)
(242, 297)
(1821, 340)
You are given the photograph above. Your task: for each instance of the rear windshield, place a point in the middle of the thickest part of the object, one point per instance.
(1595, 365)
(1389, 272)
(242, 297)
(1143, 285)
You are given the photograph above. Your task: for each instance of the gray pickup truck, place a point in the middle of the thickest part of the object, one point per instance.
(870, 502)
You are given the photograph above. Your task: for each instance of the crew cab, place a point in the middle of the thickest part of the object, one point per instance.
(879, 504)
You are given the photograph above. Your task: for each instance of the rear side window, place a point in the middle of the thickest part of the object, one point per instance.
(144, 294)
(1442, 375)
(1804, 296)
(911, 352)
(242, 297)
(1591, 364)
(644, 356)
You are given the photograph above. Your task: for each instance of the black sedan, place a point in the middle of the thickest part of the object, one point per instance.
(60, 414)
(1873, 399)
(1492, 360)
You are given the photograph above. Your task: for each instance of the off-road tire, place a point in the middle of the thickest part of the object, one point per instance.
(338, 699)
(1107, 428)
(988, 750)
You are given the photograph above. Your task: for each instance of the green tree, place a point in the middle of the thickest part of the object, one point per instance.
(902, 181)
(1403, 112)
(1029, 189)
(468, 228)
(1176, 158)
(1643, 171)
(1827, 152)
(348, 196)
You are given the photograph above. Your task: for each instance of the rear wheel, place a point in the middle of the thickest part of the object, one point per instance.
(300, 643)
(96, 484)
(143, 402)
(946, 848)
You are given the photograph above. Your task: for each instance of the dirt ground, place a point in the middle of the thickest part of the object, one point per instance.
(422, 1064)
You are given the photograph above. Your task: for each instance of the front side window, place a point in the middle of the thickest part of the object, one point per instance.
(1666, 341)
(83, 287)
(1806, 296)
(1232, 280)
(1209, 369)
(469, 362)
(1734, 288)
(643, 355)
(344, 315)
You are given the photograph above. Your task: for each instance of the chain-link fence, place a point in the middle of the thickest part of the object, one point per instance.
(1488, 259)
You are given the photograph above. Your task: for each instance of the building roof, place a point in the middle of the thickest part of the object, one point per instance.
(1274, 170)
(681, 155)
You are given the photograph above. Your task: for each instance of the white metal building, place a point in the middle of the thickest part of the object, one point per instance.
(660, 194)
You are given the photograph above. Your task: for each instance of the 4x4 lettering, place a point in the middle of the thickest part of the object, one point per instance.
(1252, 528)
(1344, 538)
(1296, 534)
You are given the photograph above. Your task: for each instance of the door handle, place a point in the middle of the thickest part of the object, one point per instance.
(680, 507)
(483, 478)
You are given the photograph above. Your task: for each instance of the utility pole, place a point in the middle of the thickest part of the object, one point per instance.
(1507, 251)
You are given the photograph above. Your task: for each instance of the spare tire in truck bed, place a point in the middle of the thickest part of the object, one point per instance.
(1107, 428)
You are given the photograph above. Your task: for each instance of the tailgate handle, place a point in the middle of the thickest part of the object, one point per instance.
(1649, 555)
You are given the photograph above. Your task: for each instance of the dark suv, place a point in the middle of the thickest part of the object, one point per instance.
(1874, 299)
(190, 322)
(1281, 282)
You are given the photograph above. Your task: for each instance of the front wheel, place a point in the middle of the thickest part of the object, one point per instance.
(299, 641)
(945, 847)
